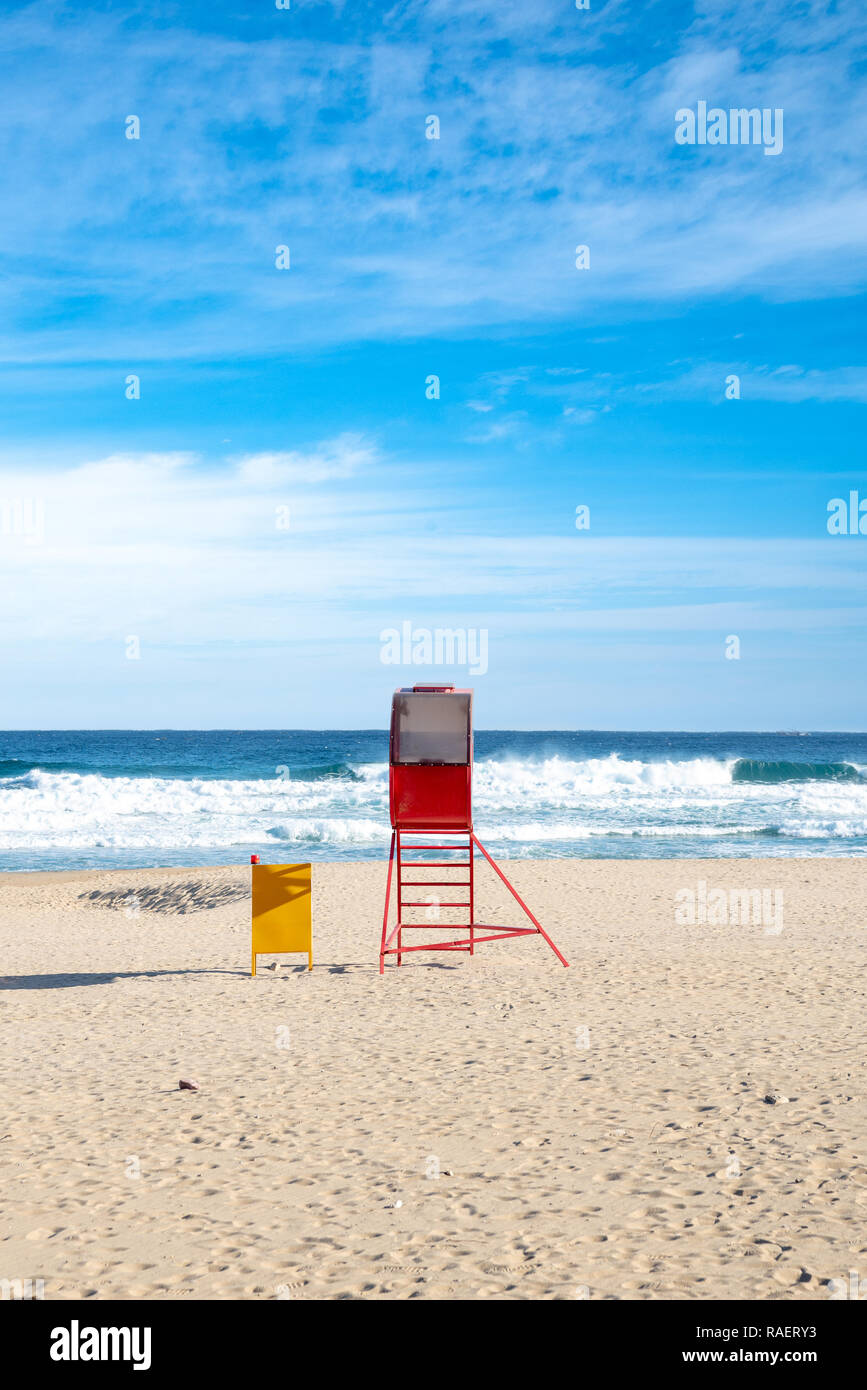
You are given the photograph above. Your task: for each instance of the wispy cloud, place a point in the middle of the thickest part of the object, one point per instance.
(192, 555)
(318, 143)
(340, 458)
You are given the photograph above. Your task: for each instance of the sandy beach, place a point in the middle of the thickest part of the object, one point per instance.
(680, 1114)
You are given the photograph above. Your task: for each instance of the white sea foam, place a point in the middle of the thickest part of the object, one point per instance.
(516, 801)
(559, 777)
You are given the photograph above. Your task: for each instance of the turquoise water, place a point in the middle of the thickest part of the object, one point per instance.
(128, 799)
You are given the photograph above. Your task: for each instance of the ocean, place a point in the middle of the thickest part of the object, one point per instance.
(118, 799)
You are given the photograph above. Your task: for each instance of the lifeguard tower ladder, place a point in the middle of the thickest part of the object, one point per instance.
(430, 795)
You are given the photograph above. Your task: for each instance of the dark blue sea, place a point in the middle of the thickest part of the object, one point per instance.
(132, 799)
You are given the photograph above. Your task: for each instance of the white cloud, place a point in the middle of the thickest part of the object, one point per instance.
(160, 546)
(789, 383)
(340, 458)
(320, 144)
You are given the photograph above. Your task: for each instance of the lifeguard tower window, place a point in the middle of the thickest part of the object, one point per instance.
(431, 728)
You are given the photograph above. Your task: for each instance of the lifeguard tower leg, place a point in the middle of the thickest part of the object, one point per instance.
(520, 901)
(399, 901)
(253, 970)
(385, 913)
(472, 898)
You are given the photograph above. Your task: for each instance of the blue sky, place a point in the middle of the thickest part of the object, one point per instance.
(300, 393)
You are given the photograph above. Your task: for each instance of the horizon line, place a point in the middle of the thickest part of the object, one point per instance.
(383, 729)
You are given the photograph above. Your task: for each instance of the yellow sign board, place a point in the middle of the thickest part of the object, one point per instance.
(282, 915)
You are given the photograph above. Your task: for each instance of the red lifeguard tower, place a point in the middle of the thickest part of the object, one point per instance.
(430, 795)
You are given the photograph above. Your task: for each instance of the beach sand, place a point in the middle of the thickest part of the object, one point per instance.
(449, 1130)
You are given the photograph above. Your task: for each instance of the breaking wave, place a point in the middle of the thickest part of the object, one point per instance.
(525, 805)
(752, 770)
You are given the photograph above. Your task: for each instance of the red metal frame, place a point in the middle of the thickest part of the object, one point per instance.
(430, 798)
(472, 940)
